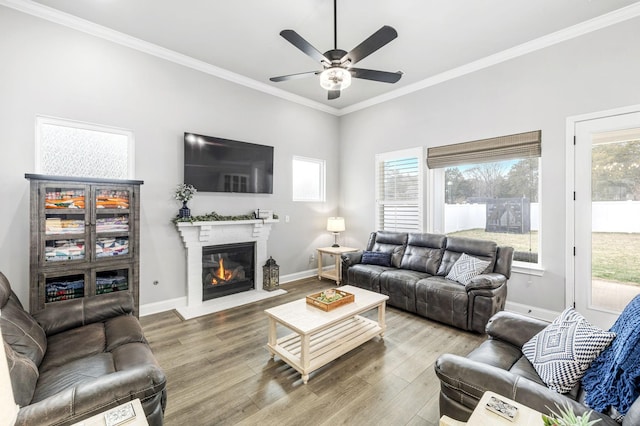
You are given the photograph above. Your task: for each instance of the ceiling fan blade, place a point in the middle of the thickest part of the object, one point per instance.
(334, 94)
(383, 76)
(378, 39)
(302, 44)
(294, 76)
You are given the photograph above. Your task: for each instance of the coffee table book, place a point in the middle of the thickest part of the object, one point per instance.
(314, 300)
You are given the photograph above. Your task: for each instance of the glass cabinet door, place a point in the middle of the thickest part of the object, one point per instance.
(65, 225)
(63, 286)
(112, 222)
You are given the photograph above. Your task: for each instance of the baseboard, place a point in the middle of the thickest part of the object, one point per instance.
(304, 274)
(531, 311)
(165, 305)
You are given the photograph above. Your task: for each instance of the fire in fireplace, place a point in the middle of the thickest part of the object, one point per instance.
(227, 269)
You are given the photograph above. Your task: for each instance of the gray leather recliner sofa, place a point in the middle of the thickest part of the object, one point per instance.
(498, 365)
(78, 358)
(415, 281)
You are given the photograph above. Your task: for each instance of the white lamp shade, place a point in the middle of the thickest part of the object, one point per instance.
(8, 407)
(335, 78)
(335, 224)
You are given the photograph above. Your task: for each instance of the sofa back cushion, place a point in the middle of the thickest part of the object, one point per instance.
(480, 249)
(24, 375)
(19, 329)
(389, 242)
(423, 252)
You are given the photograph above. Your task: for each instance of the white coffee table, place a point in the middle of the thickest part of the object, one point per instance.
(320, 337)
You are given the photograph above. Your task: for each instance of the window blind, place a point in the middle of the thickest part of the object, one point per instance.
(398, 193)
(518, 146)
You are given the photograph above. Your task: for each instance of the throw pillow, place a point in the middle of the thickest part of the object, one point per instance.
(562, 351)
(376, 258)
(465, 268)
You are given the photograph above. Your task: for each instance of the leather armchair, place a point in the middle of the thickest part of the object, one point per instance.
(78, 358)
(498, 365)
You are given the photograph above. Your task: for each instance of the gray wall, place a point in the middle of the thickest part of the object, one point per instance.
(52, 70)
(595, 72)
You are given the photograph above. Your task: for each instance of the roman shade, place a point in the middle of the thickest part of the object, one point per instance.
(518, 146)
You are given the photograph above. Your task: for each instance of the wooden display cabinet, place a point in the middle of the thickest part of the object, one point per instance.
(84, 238)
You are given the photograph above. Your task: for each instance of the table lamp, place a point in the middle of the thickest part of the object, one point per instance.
(335, 225)
(8, 406)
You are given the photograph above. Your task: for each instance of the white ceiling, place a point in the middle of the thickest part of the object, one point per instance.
(434, 36)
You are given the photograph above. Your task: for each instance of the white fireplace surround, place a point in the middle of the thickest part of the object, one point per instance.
(196, 235)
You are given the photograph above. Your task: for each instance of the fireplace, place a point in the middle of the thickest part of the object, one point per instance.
(227, 269)
(199, 235)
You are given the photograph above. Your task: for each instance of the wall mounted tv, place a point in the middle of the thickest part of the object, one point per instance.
(214, 164)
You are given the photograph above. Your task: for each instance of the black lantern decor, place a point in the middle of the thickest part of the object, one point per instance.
(270, 275)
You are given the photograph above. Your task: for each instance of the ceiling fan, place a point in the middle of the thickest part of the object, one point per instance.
(338, 63)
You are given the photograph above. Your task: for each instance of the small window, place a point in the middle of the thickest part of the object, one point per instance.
(72, 148)
(308, 179)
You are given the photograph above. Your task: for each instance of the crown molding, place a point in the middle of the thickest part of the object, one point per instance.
(50, 14)
(74, 22)
(586, 27)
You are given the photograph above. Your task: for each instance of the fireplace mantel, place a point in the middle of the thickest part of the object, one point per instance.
(196, 235)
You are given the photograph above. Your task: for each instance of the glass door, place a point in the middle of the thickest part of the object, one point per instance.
(65, 224)
(607, 212)
(112, 222)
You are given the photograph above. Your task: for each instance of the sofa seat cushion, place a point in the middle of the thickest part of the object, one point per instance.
(56, 379)
(400, 286)
(367, 276)
(443, 300)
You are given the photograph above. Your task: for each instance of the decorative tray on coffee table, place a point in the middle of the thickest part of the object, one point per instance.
(330, 299)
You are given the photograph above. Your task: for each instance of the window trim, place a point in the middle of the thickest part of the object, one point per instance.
(63, 122)
(322, 178)
(436, 197)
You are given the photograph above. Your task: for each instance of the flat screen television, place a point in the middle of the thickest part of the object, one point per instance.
(213, 164)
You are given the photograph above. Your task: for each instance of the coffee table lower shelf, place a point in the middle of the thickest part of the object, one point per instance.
(307, 353)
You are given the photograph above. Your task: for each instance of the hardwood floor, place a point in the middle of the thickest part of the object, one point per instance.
(220, 373)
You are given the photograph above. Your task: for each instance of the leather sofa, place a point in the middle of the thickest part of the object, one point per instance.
(416, 279)
(78, 358)
(498, 365)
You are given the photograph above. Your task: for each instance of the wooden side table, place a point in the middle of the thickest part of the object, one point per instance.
(481, 416)
(335, 273)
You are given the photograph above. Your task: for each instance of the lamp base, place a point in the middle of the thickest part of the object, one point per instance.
(335, 240)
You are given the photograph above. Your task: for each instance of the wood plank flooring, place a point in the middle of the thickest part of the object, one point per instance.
(220, 373)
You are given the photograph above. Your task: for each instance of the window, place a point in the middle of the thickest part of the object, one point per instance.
(71, 148)
(489, 189)
(308, 179)
(399, 190)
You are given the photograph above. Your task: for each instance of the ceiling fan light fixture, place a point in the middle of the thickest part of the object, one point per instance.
(335, 78)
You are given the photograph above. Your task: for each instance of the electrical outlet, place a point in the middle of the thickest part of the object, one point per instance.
(312, 258)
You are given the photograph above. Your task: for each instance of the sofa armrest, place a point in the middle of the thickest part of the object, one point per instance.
(352, 258)
(68, 314)
(514, 328)
(92, 397)
(486, 281)
(465, 381)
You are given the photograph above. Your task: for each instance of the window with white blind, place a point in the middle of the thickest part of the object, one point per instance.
(399, 191)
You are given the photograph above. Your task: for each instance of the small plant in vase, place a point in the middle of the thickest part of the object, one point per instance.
(567, 417)
(184, 193)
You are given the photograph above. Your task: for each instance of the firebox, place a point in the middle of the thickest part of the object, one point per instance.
(227, 269)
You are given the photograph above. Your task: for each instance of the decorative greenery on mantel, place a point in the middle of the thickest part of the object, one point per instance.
(215, 217)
